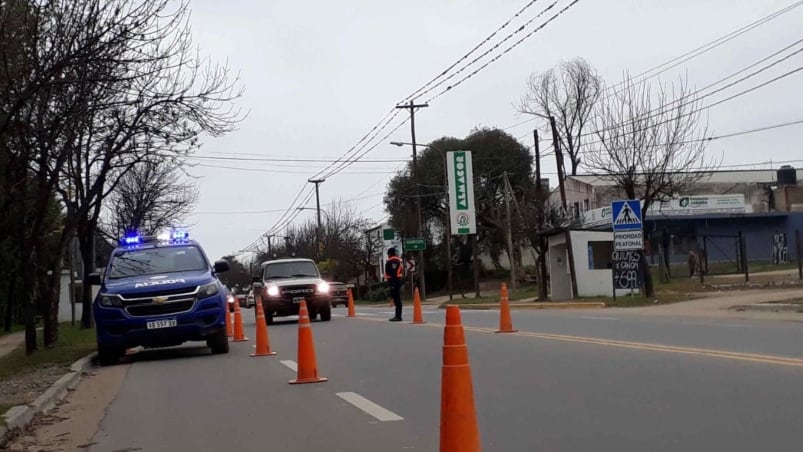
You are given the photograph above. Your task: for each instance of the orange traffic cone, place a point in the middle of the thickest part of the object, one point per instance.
(418, 316)
(505, 324)
(307, 367)
(229, 331)
(239, 335)
(263, 342)
(459, 430)
(351, 305)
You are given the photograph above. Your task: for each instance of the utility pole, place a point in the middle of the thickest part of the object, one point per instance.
(509, 230)
(540, 201)
(412, 106)
(317, 183)
(559, 159)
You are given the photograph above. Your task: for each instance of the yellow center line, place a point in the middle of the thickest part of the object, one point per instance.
(750, 357)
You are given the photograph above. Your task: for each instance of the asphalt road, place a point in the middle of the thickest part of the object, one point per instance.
(569, 381)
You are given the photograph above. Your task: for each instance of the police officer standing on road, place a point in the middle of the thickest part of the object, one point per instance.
(394, 275)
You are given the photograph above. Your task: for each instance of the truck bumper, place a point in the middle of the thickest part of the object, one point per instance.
(116, 328)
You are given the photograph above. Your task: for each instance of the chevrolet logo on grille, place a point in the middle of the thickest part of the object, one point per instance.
(159, 300)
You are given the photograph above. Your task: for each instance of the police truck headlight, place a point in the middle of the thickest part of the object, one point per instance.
(207, 290)
(110, 301)
(323, 287)
(273, 291)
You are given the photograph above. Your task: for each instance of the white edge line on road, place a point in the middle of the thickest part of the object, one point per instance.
(369, 407)
(591, 317)
(291, 364)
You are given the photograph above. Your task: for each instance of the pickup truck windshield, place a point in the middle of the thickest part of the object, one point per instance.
(156, 261)
(290, 270)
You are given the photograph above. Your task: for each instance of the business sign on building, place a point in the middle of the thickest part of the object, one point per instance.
(461, 193)
(698, 205)
(597, 217)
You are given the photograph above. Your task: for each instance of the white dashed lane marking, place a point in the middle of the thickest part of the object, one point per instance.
(291, 364)
(369, 407)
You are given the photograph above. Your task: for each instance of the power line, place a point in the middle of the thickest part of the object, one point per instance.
(268, 170)
(495, 58)
(712, 44)
(268, 159)
(249, 212)
(470, 52)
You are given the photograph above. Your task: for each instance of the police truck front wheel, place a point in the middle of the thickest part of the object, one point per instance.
(108, 356)
(326, 314)
(218, 342)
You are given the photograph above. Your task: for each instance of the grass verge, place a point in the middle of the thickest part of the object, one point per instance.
(73, 344)
(14, 328)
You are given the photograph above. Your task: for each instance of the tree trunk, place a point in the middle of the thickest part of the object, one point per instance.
(29, 310)
(50, 289)
(10, 302)
(87, 261)
(543, 293)
(649, 286)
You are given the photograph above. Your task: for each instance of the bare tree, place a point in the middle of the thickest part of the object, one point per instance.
(148, 198)
(569, 93)
(651, 144)
(160, 96)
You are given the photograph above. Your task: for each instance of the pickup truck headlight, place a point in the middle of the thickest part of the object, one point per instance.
(273, 291)
(207, 290)
(323, 287)
(110, 300)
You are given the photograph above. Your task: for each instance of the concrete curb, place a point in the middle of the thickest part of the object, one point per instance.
(540, 305)
(20, 416)
(769, 307)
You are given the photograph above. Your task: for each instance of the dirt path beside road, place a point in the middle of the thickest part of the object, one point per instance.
(719, 304)
(72, 425)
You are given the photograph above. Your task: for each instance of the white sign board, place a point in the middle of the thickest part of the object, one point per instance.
(461, 193)
(702, 204)
(597, 217)
(628, 240)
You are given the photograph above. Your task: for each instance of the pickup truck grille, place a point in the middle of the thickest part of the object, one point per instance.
(153, 309)
(307, 291)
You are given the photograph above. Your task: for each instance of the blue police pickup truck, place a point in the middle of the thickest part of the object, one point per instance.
(159, 292)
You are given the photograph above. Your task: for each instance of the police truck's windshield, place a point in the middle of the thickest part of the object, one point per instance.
(153, 261)
(299, 269)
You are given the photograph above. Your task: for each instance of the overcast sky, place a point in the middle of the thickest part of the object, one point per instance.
(318, 75)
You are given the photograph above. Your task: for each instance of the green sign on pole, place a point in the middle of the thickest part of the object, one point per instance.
(415, 244)
(461, 193)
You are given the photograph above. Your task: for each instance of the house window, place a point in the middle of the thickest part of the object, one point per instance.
(585, 205)
(599, 255)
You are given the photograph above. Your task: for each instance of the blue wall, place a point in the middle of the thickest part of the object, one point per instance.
(758, 229)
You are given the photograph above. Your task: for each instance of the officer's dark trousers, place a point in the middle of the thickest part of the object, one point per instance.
(395, 294)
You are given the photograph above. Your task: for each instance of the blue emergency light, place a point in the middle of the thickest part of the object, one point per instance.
(131, 240)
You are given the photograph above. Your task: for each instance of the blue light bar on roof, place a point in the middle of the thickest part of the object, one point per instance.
(179, 235)
(131, 240)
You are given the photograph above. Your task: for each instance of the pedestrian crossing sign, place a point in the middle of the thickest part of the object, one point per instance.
(626, 215)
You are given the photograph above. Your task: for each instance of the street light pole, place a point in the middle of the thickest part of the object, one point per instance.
(448, 215)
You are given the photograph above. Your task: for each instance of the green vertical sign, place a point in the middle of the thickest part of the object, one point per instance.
(461, 193)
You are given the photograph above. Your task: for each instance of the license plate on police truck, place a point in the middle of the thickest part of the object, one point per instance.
(167, 323)
(298, 300)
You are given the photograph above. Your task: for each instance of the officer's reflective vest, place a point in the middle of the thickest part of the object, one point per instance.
(399, 269)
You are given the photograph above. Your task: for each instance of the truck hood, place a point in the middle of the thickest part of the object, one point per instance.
(293, 282)
(169, 281)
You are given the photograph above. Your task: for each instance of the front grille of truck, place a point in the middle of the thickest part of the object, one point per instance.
(307, 291)
(153, 309)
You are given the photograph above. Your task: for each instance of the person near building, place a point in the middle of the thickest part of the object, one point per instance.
(394, 275)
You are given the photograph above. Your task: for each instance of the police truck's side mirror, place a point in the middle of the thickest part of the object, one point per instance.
(256, 279)
(94, 279)
(221, 266)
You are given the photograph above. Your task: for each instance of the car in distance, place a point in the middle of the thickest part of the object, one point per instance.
(287, 282)
(339, 294)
